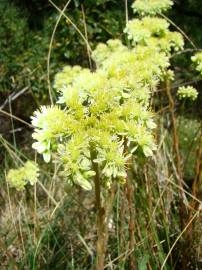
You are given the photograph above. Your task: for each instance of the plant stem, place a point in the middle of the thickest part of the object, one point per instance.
(103, 215)
(194, 233)
(177, 152)
(122, 222)
(182, 208)
(129, 196)
(129, 192)
(100, 246)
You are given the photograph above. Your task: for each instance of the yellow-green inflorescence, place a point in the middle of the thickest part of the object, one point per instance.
(19, 178)
(151, 7)
(106, 112)
(154, 32)
(188, 92)
(197, 59)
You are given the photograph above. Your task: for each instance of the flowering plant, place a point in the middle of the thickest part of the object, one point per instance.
(102, 118)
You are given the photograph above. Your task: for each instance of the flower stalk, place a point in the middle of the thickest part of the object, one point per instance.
(103, 212)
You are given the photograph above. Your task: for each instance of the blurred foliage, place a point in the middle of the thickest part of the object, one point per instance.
(188, 15)
(26, 28)
(189, 135)
(23, 52)
(25, 32)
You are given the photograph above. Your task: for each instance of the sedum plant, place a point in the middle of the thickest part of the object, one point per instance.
(102, 119)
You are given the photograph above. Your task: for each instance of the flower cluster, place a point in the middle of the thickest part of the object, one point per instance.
(50, 123)
(151, 7)
(99, 110)
(103, 51)
(103, 117)
(154, 32)
(20, 177)
(197, 59)
(75, 157)
(188, 92)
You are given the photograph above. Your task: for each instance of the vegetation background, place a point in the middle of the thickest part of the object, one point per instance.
(49, 227)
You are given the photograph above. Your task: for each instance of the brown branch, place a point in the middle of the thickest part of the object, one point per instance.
(175, 135)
